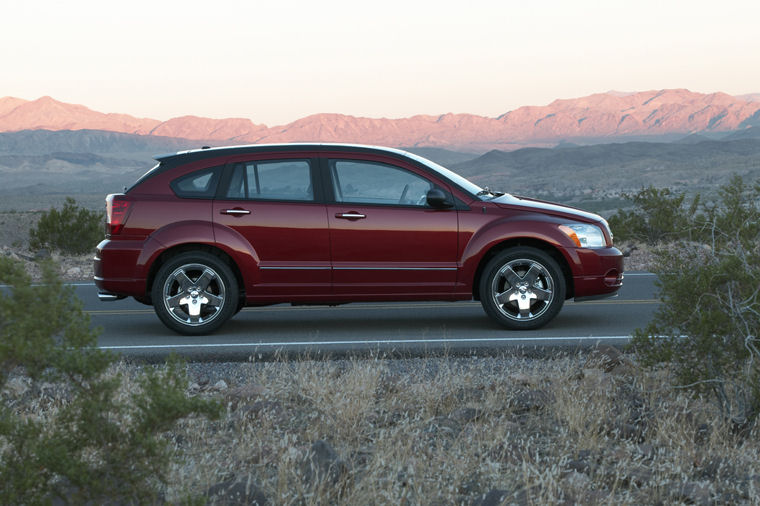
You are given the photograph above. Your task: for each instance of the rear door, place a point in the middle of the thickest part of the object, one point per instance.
(272, 203)
(386, 241)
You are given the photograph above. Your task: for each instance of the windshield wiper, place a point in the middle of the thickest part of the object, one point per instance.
(487, 191)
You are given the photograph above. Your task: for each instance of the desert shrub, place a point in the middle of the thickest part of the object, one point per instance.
(658, 215)
(708, 324)
(71, 431)
(73, 229)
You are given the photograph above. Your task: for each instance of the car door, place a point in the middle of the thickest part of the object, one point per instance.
(272, 204)
(385, 240)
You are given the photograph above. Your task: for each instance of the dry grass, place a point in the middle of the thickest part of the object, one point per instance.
(448, 431)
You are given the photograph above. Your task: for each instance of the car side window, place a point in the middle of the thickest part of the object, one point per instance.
(200, 184)
(377, 183)
(271, 180)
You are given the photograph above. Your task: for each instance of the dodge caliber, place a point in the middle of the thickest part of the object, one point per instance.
(207, 232)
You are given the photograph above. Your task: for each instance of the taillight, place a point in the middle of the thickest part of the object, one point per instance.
(117, 211)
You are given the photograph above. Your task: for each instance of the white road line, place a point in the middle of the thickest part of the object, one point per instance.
(363, 342)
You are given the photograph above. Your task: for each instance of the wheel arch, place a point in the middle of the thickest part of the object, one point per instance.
(173, 251)
(524, 242)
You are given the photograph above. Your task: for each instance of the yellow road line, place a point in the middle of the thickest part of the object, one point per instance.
(349, 307)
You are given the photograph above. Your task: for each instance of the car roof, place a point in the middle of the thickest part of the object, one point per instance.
(209, 152)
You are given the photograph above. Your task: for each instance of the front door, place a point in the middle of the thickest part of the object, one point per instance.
(385, 240)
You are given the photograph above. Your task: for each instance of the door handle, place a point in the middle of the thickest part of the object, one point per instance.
(350, 216)
(235, 212)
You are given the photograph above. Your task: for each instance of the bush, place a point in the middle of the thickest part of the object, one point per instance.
(708, 324)
(73, 229)
(659, 215)
(93, 443)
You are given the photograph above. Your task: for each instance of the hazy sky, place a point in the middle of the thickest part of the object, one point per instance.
(277, 61)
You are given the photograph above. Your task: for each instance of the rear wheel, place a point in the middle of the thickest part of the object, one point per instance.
(522, 288)
(194, 293)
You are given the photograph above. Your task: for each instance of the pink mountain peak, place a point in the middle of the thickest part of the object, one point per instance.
(600, 115)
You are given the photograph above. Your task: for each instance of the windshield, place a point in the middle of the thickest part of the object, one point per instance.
(463, 183)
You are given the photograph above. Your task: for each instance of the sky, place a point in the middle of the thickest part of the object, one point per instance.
(277, 61)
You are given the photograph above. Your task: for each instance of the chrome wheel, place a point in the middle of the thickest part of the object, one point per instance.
(522, 289)
(194, 294)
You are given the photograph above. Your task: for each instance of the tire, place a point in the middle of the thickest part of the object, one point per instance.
(522, 288)
(195, 293)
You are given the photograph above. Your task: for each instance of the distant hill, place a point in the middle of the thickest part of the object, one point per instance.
(603, 117)
(606, 170)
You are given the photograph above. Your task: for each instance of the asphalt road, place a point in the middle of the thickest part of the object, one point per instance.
(134, 330)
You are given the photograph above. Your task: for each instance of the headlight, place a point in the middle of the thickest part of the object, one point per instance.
(584, 236)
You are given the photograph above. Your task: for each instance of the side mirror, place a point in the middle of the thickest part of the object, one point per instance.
(438, 199)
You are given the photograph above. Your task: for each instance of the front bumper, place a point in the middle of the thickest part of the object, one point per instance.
(600, 273)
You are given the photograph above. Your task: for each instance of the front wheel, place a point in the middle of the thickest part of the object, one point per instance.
(522, 288)
(194, 293)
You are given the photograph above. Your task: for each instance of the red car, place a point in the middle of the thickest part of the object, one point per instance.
(206, 232)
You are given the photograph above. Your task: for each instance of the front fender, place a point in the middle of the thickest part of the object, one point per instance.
(517, 229)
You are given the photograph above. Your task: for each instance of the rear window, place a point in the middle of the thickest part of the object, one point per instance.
(199, 185)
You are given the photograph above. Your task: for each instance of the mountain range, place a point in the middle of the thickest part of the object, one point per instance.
(655, 115)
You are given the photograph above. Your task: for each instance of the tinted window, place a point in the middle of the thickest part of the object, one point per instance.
(377, 183)
(200, 184)
(271, 180)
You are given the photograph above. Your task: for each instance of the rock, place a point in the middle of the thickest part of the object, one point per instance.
(607, 358)
(511, 454)
(322, 464)
(494, 497)
(194, 388)
(233, 492)
(718, 468)
(647, 451)
(219, 386)
(530, 400)
(576, 482)
(464, 415)
(638, 476)
(443, 426)
(73, 272)
(243, 394)
(272, 409)
(627, 432)
(692, 492)
(42, 254)
(702, 434)
(578, 466)
(18, 386)
(522, 379)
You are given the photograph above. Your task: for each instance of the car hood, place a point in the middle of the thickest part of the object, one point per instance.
(508, 201)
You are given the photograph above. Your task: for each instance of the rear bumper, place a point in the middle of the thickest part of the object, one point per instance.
(114, 268)
(602, 273)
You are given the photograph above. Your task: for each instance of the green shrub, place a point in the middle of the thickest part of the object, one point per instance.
(659, 215)
(708, 324)
(88, 441)
(73, 229)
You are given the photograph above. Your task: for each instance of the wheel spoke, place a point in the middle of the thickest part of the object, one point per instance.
(505, 297)
(511, 276)
(532, 274)
(213, 301)
(174, 301)
(184, 281)
(207, 277)
(541, 294)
